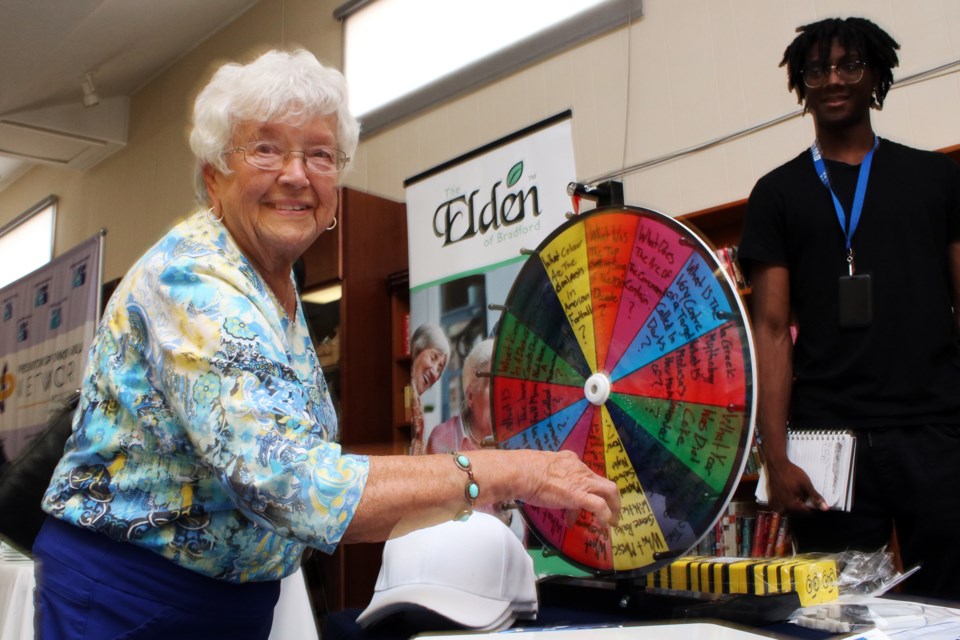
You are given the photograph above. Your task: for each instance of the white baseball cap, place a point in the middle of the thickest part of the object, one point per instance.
(475, 572)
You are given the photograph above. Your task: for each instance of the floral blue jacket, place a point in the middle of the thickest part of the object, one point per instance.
(205, 430)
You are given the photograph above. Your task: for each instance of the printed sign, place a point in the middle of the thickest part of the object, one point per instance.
(47, 322)
(469, 223)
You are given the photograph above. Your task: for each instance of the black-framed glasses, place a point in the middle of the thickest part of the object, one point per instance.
(271, 157)
(849, 72)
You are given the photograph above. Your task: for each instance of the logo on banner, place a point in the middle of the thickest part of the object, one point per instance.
(79, 276)
(42, 295)
(464, 217)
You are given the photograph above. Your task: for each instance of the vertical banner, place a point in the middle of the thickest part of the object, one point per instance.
(47, 322)
(468, 221)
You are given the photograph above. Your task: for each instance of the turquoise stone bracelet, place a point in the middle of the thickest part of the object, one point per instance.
(472, 490)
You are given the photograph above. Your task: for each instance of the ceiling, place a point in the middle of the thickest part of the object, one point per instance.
(48, 46)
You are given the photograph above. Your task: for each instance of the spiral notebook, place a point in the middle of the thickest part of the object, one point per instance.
(829, 459)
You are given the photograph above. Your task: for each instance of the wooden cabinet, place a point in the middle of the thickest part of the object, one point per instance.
(322, 260)
(399, 285)
(368, 244)
(721, 224)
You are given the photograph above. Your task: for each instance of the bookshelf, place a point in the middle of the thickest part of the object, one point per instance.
(721, 226)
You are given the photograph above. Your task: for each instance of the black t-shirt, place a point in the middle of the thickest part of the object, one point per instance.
(905, 367)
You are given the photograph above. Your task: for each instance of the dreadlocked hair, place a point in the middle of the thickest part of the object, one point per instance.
(874, 45)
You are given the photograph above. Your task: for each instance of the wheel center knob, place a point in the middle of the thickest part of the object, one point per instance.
(597, 388)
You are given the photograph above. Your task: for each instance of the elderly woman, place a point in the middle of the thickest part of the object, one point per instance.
(471, 429)
(203, 459)
(429, 352)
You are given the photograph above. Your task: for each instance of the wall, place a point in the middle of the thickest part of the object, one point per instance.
(686, 73)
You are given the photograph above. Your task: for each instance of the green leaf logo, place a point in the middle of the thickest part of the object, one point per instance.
(513, 176)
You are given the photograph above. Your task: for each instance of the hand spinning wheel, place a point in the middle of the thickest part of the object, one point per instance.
(623, 340)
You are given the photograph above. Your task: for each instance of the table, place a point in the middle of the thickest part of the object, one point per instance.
(895, 617)
(16, 599)
(678, 631)
(293, 618)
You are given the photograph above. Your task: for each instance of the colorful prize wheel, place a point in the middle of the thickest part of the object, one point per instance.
(624, 341)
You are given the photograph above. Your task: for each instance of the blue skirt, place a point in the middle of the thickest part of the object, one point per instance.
(90, 587)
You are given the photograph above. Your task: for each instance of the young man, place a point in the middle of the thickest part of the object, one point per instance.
(856, 241)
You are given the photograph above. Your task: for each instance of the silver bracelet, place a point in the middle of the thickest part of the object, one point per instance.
(471, 491)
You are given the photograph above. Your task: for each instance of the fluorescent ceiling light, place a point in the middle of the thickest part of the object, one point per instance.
(418, 41)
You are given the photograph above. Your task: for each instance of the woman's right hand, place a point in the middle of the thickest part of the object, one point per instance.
(562, 480)
(406, 492)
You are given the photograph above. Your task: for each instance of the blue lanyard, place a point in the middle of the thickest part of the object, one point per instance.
(862, 178)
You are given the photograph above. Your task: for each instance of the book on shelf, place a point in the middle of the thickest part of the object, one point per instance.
(754, 460)
(829, 459)
(769, 536)
(783, 542)
(743, 531)
(761, 527)
(747, 524)
(407, 403)
(773, 528)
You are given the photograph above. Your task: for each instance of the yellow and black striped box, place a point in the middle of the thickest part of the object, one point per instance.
(812, 576)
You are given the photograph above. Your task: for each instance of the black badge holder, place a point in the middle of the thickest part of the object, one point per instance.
(855, 298)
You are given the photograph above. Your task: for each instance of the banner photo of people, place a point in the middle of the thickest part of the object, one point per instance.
(469, 221)
(47, 322)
